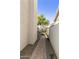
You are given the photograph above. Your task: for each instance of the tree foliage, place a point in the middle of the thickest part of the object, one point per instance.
(42, 20)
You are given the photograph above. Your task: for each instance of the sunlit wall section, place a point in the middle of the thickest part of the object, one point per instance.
(32, 22)
(54, 34)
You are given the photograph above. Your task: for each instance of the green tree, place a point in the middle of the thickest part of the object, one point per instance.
(42, 20)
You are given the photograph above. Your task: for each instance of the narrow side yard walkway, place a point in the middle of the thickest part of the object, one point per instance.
(42, 49)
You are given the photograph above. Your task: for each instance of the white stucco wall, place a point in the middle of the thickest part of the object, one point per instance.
(28, 24)
(32, 23)
(54, 38)
(24, 23)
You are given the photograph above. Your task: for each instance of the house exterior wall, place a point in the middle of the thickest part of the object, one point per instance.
(28, 24)
(54, 38)
(54, 34)
(32, 23)
(24, 23)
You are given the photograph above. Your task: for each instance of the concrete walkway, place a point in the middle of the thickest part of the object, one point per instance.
(40, 50)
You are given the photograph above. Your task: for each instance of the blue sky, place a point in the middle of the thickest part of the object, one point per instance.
(48, 8)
